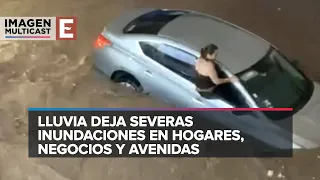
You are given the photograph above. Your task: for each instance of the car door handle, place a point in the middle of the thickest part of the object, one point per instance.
(197, 101)
(147, 72)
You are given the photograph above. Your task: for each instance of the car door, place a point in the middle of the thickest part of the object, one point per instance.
(169, 71)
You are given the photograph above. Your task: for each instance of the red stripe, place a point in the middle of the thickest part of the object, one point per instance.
(231, 109)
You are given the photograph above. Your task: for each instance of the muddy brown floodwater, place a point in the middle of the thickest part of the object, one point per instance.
(55, 74)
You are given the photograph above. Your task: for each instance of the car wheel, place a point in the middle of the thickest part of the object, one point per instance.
(130, 84)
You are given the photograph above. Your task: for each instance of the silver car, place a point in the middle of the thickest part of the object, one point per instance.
(153, 51)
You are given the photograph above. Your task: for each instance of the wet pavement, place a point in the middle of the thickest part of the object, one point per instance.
(58, 73)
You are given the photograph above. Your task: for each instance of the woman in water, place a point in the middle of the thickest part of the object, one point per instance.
(207, 78)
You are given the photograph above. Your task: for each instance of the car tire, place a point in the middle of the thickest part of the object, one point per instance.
(130, 83)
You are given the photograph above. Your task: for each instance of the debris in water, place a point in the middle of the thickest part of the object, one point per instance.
(172, 170)
(279, 9)
(270, 173)
(280, 175)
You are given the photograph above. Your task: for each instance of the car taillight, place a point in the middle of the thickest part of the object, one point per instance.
(101, 42)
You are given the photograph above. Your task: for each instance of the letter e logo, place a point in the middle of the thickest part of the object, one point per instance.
(66, 28)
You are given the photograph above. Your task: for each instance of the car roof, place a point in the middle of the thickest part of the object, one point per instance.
(238, 49)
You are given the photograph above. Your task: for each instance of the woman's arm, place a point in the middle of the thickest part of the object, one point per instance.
(214, 77)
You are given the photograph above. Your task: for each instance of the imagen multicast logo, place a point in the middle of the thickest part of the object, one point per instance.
(38, 28)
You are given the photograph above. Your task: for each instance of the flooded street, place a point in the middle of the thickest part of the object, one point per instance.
(58, 74)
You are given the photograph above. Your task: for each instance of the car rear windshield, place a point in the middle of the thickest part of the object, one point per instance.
(152, 22)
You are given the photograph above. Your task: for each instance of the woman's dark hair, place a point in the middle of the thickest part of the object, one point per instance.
(209, 49)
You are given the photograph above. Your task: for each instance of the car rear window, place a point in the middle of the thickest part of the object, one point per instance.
(152, 22)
